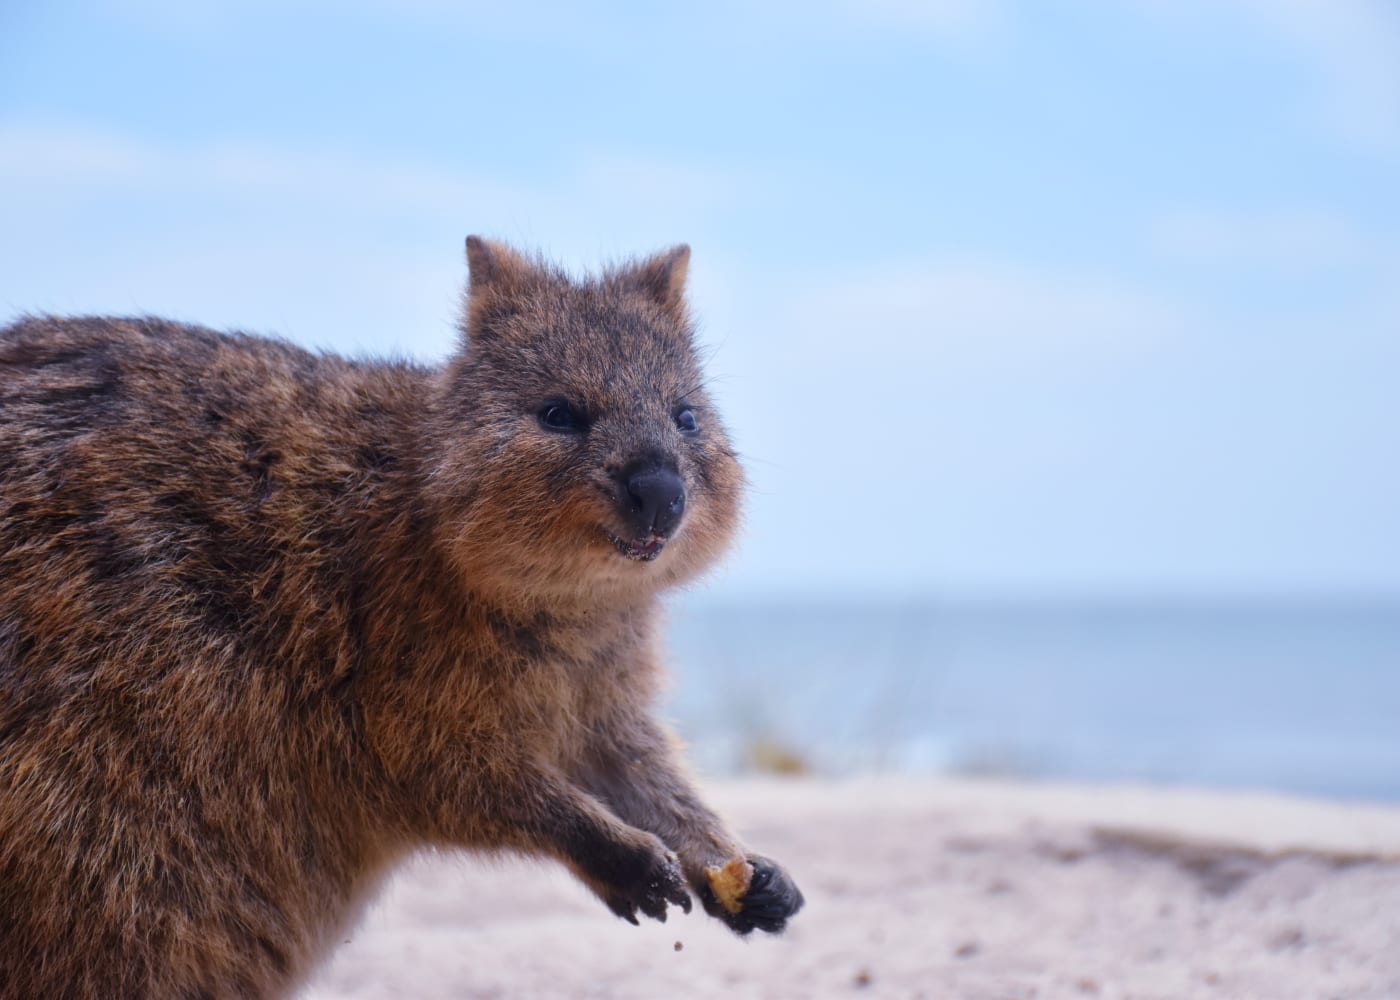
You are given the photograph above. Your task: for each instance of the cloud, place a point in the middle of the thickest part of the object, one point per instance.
(961, 306)
(1354, 46)
(537, 19)
(1290, 241)
(347, 251)
(595, 202)
(55, 157)
(52, 157)
(1350, 48)
(958, 18)
(554, 20)
(951, 353)
(56, 154)
(990, 422)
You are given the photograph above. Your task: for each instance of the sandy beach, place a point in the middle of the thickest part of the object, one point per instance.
(937, 888)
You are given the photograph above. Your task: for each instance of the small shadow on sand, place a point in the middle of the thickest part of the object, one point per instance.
(1220, 869)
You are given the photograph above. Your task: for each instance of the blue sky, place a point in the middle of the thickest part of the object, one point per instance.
(1004, 297)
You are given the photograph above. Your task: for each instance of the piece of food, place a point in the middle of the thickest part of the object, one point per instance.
(730, 882)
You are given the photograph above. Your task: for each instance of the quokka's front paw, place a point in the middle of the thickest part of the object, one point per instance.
(770, 898)
(655, 880)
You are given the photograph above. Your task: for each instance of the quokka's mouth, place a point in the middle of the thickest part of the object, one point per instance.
(639, 549)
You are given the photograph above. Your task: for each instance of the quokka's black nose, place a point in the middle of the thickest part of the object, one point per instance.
(653, 501)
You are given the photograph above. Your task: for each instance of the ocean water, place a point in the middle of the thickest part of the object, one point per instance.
(1296, 698)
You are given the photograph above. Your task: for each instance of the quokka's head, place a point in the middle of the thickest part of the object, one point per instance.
(578, 452)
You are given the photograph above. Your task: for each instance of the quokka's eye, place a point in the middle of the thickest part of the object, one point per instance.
(561, 416)
(686, 422)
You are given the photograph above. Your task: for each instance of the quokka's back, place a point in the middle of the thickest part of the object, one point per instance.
(271, 620)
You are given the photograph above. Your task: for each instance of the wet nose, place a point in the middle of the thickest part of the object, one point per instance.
(654, 501)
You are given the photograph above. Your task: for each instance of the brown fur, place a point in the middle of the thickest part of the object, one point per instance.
(270, 621)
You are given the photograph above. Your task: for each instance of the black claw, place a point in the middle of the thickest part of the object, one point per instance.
(678, 895)
(624, 909)
(654, 907)
(658, 882)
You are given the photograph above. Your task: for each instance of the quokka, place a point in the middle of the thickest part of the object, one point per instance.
(270, 621)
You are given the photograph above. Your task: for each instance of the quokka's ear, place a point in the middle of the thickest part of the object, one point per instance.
(663, 277)
(495, 266)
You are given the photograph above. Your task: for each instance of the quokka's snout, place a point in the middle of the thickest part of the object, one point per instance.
(651, 498)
